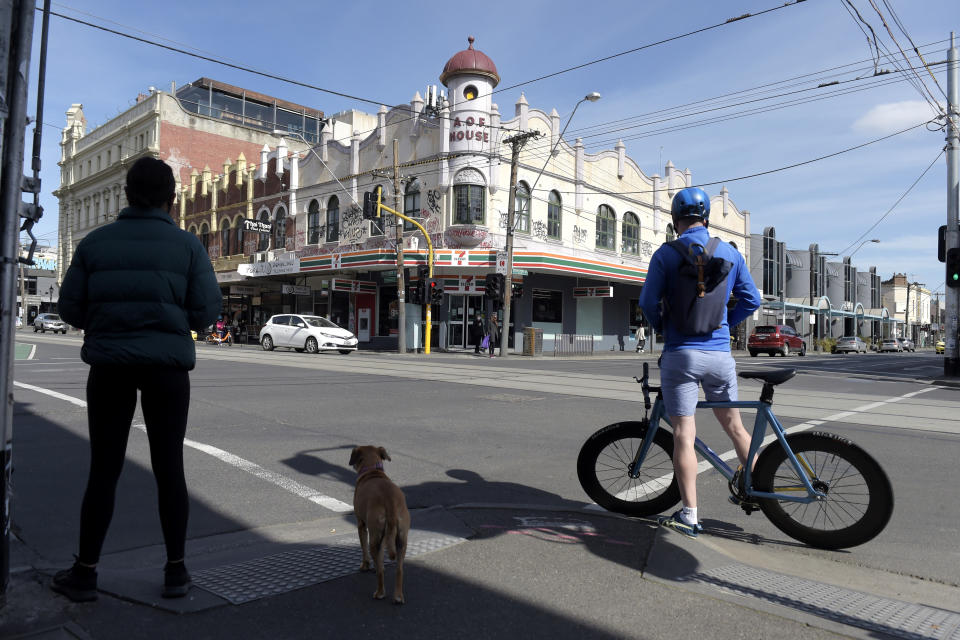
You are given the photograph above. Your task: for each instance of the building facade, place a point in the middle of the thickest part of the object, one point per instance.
(286, 231)
(190, 128)
(821, 297)
(910, 303)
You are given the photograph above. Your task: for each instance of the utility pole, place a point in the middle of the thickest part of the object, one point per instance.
(951, 360)
(517, 141)
(16, 38)
(401, 287)
(906, 314)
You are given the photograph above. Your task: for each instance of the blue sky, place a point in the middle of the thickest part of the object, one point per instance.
(385, 51)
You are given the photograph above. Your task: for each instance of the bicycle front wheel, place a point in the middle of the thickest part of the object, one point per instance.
(859, 497)
(603, 468)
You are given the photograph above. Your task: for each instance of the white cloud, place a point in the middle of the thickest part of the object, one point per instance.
(893, 116)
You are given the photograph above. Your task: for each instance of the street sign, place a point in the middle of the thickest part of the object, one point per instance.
(520, 272)
(502, 262)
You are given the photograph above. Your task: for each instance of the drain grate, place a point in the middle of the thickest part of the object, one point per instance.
(282, 572)
(853, 608)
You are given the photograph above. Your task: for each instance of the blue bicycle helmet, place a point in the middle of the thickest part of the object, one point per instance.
(692, 202)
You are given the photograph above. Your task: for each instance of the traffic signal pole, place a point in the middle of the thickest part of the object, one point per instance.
(951, 361)
(380, 205)
(401, 285)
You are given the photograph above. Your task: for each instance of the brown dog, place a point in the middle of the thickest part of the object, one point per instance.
(382, 516)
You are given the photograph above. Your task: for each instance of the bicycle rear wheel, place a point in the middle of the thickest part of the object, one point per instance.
(603, 470)
(859, 499)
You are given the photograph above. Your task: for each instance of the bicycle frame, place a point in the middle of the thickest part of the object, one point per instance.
(765, 417)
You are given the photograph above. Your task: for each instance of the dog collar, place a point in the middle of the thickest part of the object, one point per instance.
(363, 470)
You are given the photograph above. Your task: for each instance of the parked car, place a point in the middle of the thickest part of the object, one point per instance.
(846, 344)
(907, 344)
(775, 338)
(49, 322)
(890, 344)
(940, 347)
(306, 333)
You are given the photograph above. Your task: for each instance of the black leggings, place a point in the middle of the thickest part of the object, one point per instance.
(111, 401)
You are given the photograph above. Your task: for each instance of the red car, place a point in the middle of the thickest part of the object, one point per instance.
(775, 338)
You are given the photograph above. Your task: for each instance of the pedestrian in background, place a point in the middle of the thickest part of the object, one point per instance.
(476, 332)
(493, 330)
(641, 338)
(137, 287)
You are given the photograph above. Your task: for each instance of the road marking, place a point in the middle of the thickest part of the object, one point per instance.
(252, 468)
(704, 465)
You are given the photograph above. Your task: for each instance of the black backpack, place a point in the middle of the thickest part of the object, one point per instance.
(695, 302)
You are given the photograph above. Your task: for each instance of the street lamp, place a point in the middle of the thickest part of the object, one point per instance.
(50, 304)
(593, 96)
(861, 245)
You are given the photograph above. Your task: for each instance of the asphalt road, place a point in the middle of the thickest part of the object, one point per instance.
(270, 435)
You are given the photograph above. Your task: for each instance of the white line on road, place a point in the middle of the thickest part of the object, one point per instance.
(252, 468)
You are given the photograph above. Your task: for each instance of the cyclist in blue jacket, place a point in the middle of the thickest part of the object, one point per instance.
(689, 361)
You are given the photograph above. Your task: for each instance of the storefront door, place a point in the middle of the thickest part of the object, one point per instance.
(463, 310)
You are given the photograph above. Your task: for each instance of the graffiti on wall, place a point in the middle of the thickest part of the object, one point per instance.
(579, 235)
(353, 228)
(539, 230)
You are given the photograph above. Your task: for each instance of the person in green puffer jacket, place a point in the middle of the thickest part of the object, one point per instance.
(137, 287)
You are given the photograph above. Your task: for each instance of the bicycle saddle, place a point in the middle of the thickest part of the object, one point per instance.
(774, 377)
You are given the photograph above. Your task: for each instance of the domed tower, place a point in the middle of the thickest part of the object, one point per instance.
(470, 77)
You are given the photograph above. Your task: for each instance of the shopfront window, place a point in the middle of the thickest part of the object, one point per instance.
(631, 233)
(547, 305)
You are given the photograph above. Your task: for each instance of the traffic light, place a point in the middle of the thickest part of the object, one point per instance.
(423, 276)
(942, 243)
(413, 294)
(517, 290)
(953, 267)
(493, 285)
(436, 290)
(370, 208)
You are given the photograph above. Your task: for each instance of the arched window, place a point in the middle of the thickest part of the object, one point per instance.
(280, 230)
(313, 222)
(554, 209)
(631, 234)
(671, 234)
(522, 207)
(411, 203)
(237, 236)
(333, 219)
(606, 228)
(225, 248)
(205, 236)
(263, 239)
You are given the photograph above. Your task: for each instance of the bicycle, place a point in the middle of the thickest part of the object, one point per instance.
(816, 487)
(214, 338)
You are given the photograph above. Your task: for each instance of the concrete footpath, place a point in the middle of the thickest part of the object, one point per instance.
(491, 571)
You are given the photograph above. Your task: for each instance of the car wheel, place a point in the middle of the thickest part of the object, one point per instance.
(785, 351)
(346, 351)
(35, 328)
(753, 354)
(311, 345)
(267, 343)
(803, 349)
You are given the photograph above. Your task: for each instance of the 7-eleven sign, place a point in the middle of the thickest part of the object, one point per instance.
(460, 259)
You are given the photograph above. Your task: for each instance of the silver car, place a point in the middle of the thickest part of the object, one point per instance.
(890, 344)
(907, 344)
(49, 322)
(847, 344)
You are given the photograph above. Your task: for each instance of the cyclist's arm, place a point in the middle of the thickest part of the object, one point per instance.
(653, 291)
(748, 297)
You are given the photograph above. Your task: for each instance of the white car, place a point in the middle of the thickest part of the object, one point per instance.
(49, 322)
(306, 333)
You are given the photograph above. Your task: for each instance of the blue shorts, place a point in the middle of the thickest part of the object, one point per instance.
(682, 371)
